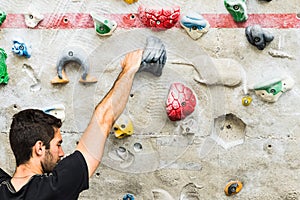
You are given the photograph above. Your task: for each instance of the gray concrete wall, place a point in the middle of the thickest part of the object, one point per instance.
(172, 164)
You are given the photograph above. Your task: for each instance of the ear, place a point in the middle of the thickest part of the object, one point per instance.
(39, 148)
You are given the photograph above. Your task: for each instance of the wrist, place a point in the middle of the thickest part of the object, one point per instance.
(130, 72)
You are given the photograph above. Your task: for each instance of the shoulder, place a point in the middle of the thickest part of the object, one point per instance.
(68, 178)
(74, 160)
(70, 170)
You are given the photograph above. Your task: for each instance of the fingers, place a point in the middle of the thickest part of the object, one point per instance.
(133, 57)
(137, 54)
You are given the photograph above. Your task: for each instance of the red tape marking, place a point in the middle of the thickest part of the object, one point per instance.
(85, 21)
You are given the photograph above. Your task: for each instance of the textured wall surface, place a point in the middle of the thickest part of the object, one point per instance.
(221, 140)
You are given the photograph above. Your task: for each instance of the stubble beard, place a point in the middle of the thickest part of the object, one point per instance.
(48, 163)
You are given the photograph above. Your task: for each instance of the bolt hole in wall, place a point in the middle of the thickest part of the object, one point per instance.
(122, 149)
(269, 148)
(138, 147)
(298, 15)
(227, 126)
(65, 20)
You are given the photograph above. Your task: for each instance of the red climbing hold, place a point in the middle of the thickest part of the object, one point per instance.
(159, 18)
(181, 102)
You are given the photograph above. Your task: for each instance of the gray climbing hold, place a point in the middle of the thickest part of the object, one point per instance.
(76, 55)
(73, 55)
(154, 56)
(258, 37)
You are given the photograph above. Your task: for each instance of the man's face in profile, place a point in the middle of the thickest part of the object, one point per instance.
(54, 154)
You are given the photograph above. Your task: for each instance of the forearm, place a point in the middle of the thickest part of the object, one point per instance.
(113, 104)
(106, 112)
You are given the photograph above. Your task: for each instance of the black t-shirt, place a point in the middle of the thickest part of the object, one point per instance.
(68, 179)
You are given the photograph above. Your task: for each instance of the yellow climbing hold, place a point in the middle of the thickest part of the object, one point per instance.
(246, 101)
(130, 1)
(123, 127)
(233, 187)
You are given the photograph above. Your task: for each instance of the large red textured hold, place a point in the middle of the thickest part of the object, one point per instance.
(181, 102)
(159, 18)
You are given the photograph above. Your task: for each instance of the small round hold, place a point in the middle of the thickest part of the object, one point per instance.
(233, 187)
(246, 101)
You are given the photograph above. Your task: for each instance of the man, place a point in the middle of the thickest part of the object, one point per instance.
(36, 140)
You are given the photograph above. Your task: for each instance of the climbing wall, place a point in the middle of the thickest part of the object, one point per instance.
(231, 69)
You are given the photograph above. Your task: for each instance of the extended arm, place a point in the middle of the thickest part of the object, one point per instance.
(92, 142)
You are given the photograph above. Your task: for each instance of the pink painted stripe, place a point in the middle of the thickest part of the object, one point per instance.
(85, 21)
(288, 20)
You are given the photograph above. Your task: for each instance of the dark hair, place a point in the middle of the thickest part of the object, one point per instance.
(28, 127)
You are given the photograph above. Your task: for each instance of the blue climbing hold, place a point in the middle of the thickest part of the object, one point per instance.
(128, 197)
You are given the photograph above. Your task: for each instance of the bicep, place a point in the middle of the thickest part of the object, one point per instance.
(91, 162)
(91, 145)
